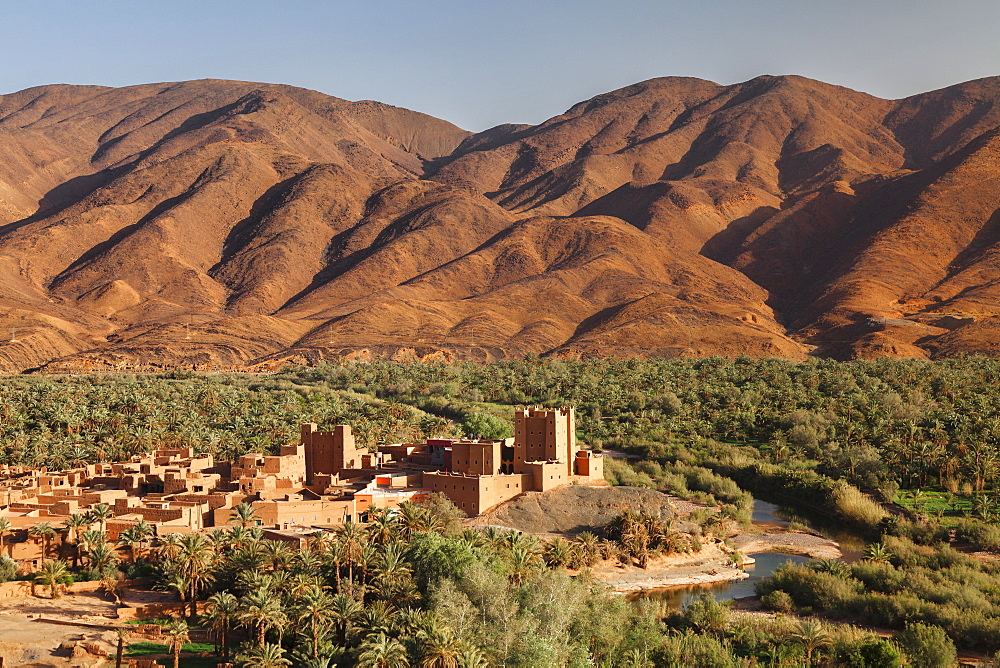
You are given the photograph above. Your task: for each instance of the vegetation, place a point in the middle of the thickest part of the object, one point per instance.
(905, 452)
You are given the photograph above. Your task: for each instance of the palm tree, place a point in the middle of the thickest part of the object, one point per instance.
(222, 609)
(52, 575)
(195, 560)
(589, 544)
(557, 552)
(123, 634)
(129, 539)
(243, 515)
(144, 531)
(376, 617)
(101, 558)
(177, 634)
(267, 656)
(101, 513)
(263, 611)
(75, 523)
(382, 526)
(878, 553)
(314, 609)
(390, 564)
(439, 648)
(344, 610)
(353, 538)
(44, 531)
(523, 563)
(382, 651)
(811, 636)
(279, 555)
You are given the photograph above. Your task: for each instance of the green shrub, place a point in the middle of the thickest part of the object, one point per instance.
(875, 653)
(981, 535)
(927, 646)
(778, 601)
(8, 568)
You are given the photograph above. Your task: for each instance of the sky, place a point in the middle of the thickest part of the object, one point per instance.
(478, 63)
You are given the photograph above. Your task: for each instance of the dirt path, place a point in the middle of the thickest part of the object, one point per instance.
(27, 640)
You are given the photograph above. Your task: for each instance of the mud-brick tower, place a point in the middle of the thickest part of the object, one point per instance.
(544, 434)
(329, 452)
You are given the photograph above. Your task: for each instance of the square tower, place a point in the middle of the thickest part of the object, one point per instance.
(329, 452)
(544, 434)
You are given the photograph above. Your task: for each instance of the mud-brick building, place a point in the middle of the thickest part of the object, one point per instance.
(542, 455)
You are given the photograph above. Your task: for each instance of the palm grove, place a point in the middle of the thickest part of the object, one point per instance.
(813, 435)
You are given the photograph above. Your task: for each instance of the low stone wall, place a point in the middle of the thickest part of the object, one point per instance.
(21, 588)
(16, 589)
(157, 611)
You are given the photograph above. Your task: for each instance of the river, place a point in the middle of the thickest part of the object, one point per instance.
(766, 515)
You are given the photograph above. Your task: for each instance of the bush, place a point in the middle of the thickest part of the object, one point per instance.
(927, 646)
(875, 653)
(852, 504)
(981, 535)
(778, 601)
(8, 568)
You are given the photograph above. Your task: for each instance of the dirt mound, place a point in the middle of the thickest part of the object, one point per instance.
(226, 223)
(573, 509)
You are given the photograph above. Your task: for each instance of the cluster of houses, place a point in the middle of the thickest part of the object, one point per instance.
(322, 482)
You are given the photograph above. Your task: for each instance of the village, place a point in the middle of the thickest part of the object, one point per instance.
(322, 482)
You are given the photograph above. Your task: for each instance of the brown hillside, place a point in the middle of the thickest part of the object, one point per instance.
(222, 223)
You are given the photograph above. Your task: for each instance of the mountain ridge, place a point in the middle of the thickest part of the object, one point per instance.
(222, 224)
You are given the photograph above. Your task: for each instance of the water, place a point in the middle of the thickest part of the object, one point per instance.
(764, 513)
(768, 513)
(766, 564)
(851, 546)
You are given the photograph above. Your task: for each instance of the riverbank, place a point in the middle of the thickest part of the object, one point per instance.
(713, 564)
(709, 566)
(807, 545)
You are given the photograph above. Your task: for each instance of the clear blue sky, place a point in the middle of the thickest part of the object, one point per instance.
(478, 63)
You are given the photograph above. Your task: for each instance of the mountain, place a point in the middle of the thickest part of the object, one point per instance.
(224, 224)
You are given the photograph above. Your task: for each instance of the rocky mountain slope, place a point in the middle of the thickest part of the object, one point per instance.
(223, 223)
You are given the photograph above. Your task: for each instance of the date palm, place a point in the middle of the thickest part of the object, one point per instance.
(52, 575)
(46, 533)
(195, 559)
(313, 610)
(353, 538)
(176, 633)
(76, 523)
(267, 656)
(101, 513)
(143, 531)
(439, 648)
(129, 539)
(243, 515)
(222, 610)
(382, 526)
(377, 617)
(123, 634)
(382, 651)
(279, 555)
(344, 611)
(262, 611)
(523, 563)
(101, 558)
(811, 636)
